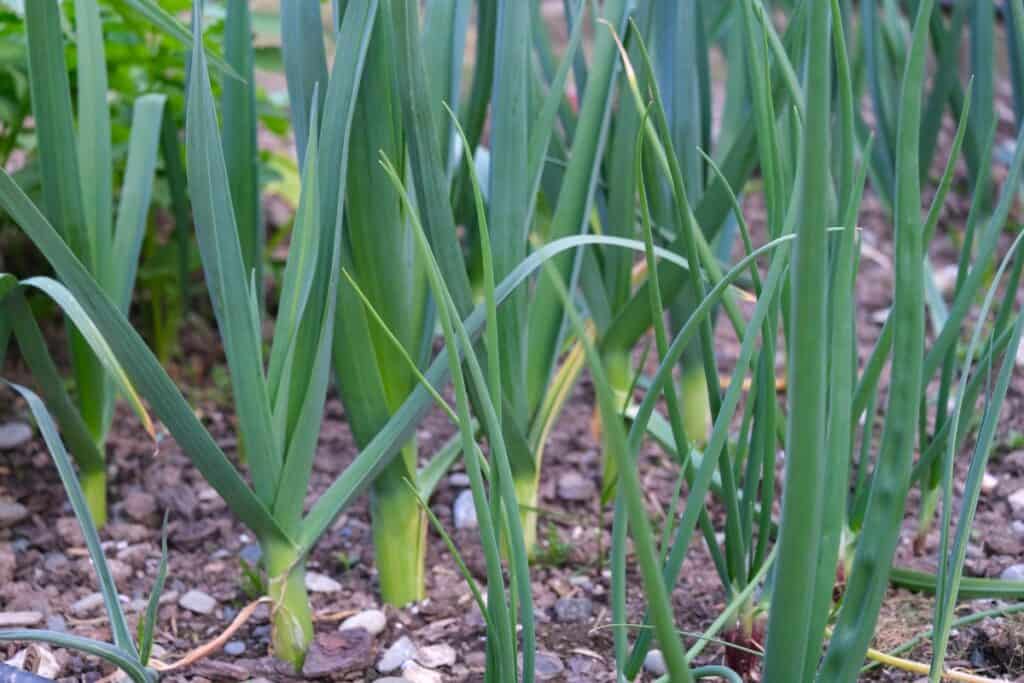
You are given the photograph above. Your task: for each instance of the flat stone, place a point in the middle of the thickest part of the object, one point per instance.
(654, 663)
(548, 666)
(234, 648)
(197, 601)
(140, 507)
(459, 480)
(14, 434)
(572, 610)
(11, 513)
(989, 483)
(1018, 528)
(436, 656)
(20, 619)
(573, 486)
(414, 673)
(336, 653)
(463, 511)
(1016, 501)
(87, 605)
(319, 583)
(373, 621)
(1015, 572)
(400, 652)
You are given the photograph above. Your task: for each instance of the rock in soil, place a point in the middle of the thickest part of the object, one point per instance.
(414, 673)
(20, 619)
(338, 653)
(234, 648)
(1014, 572)
(140, 507)
(14, 434)
(654, 663)
(400, 652)
(463, 511)
(1016, 501)
(436, 656)
(38, 660)
(318, 583)
(571, 610)
(11, 513)
(549, 666)
(459, 480)
(373, 621)
(87, 605)
(198, 602)
(989, 483)
(573, 486)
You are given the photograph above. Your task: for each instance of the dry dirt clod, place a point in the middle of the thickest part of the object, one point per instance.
(573, 486)
(436, 656)
(338, 653)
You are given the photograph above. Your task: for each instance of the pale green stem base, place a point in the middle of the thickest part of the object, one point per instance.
(94, 488)
(929, 504)
(693, 402)
(527, 497)
(619, 368)
(399, 531)
(291, 616)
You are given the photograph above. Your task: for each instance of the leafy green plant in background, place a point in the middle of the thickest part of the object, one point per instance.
(78, 192)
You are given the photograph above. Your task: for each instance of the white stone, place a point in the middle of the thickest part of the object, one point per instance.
(436, 656)
(20, 619)
(400, 652)
(373, 621)
(989, 483)
(463, 511)
(414, 673)
(459, 480)
(14, 434)
(1016, 501)
(1015, 572)
(320, 583)
(86, 605)
(198, 602)
(654, 663)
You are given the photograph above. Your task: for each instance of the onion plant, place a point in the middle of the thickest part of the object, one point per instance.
(78, 195)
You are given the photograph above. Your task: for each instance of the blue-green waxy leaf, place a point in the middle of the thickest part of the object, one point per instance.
(226, 275)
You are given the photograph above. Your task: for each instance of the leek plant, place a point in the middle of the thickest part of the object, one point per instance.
(78, 195)
(280, 405)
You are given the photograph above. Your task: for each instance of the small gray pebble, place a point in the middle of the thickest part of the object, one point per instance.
(234, 648)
